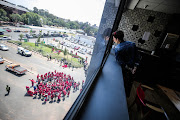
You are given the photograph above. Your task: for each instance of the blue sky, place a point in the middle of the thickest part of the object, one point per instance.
(81, 10)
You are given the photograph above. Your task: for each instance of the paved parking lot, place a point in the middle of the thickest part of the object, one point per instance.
(17, 106)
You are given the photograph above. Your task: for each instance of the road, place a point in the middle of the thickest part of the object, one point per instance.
(17, 106)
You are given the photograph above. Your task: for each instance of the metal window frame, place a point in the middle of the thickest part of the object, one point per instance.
(75, 108)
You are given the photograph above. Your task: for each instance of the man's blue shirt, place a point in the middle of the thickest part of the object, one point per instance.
(126, 54)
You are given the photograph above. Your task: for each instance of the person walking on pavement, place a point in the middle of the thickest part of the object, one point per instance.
(72, 68)
(69, 65)
(8, 89)
(50, 57)
(47, 57)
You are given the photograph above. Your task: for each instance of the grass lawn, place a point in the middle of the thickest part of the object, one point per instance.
(47, 50)
(3, 35)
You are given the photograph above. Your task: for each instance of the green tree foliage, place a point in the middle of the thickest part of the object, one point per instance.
(38, 40)
(16, 18)
(65, 52)
(35, 10)
(20, 37)
(40, 17)
(3, 15)
(31, 18)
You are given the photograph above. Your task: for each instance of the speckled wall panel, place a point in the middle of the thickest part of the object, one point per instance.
(139, 17)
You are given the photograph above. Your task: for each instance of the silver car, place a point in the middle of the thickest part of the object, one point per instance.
(5, 38)
(4, 47)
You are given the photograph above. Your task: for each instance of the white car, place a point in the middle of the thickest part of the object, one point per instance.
(84, 44)
(72, 46)
(81, 51)
(84, 49)
(76, 42)
(92, 46)
(89, 52)
(23, 51)
(5, 38)
(68, 45)
(88, 46)
(4, 47)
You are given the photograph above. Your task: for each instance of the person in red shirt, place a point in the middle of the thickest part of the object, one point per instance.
(59, 96)
(27, 88)
(35, 93)
(52, 97)
(49, 95)
(37, 76)
(68, 93)
(33, 82)
(45, 97)
(64, 93)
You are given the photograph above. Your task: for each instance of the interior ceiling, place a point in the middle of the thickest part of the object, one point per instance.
(165, 6)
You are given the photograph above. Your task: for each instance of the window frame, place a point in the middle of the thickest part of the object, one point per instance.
(75, 108)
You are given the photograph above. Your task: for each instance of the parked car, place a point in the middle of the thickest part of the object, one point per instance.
(29, 36)
(92, 47)
(1, 60)
(5, 38)
(80, 43)
(65, 44)
(68, 45)
(84, 49)
(7, 29)
(89, 52)
(67, 38)
(1, 33)
(76, 48)
(23, 51)
(62, 43)
(72, 41)
(84, 44)
(76, 41)
(81, 51)
(72, 46)
(16, 68)
(4, 47)
(34, 35)
(88, 46)
(17, 31)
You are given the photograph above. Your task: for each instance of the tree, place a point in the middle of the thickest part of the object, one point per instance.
(20, 37)
(35, 10)
(65, 52)
(3, 15)
(5, 18)
(24, 19)
(30, 31)
(15, 17)
(38, 40)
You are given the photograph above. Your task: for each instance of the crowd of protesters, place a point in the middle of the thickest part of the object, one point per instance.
(53, 85)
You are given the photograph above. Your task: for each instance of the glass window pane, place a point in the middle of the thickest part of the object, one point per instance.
(105, 28)
(54, 41)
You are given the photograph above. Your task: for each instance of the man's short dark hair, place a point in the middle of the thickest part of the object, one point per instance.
(107, 32)
(119, 34)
